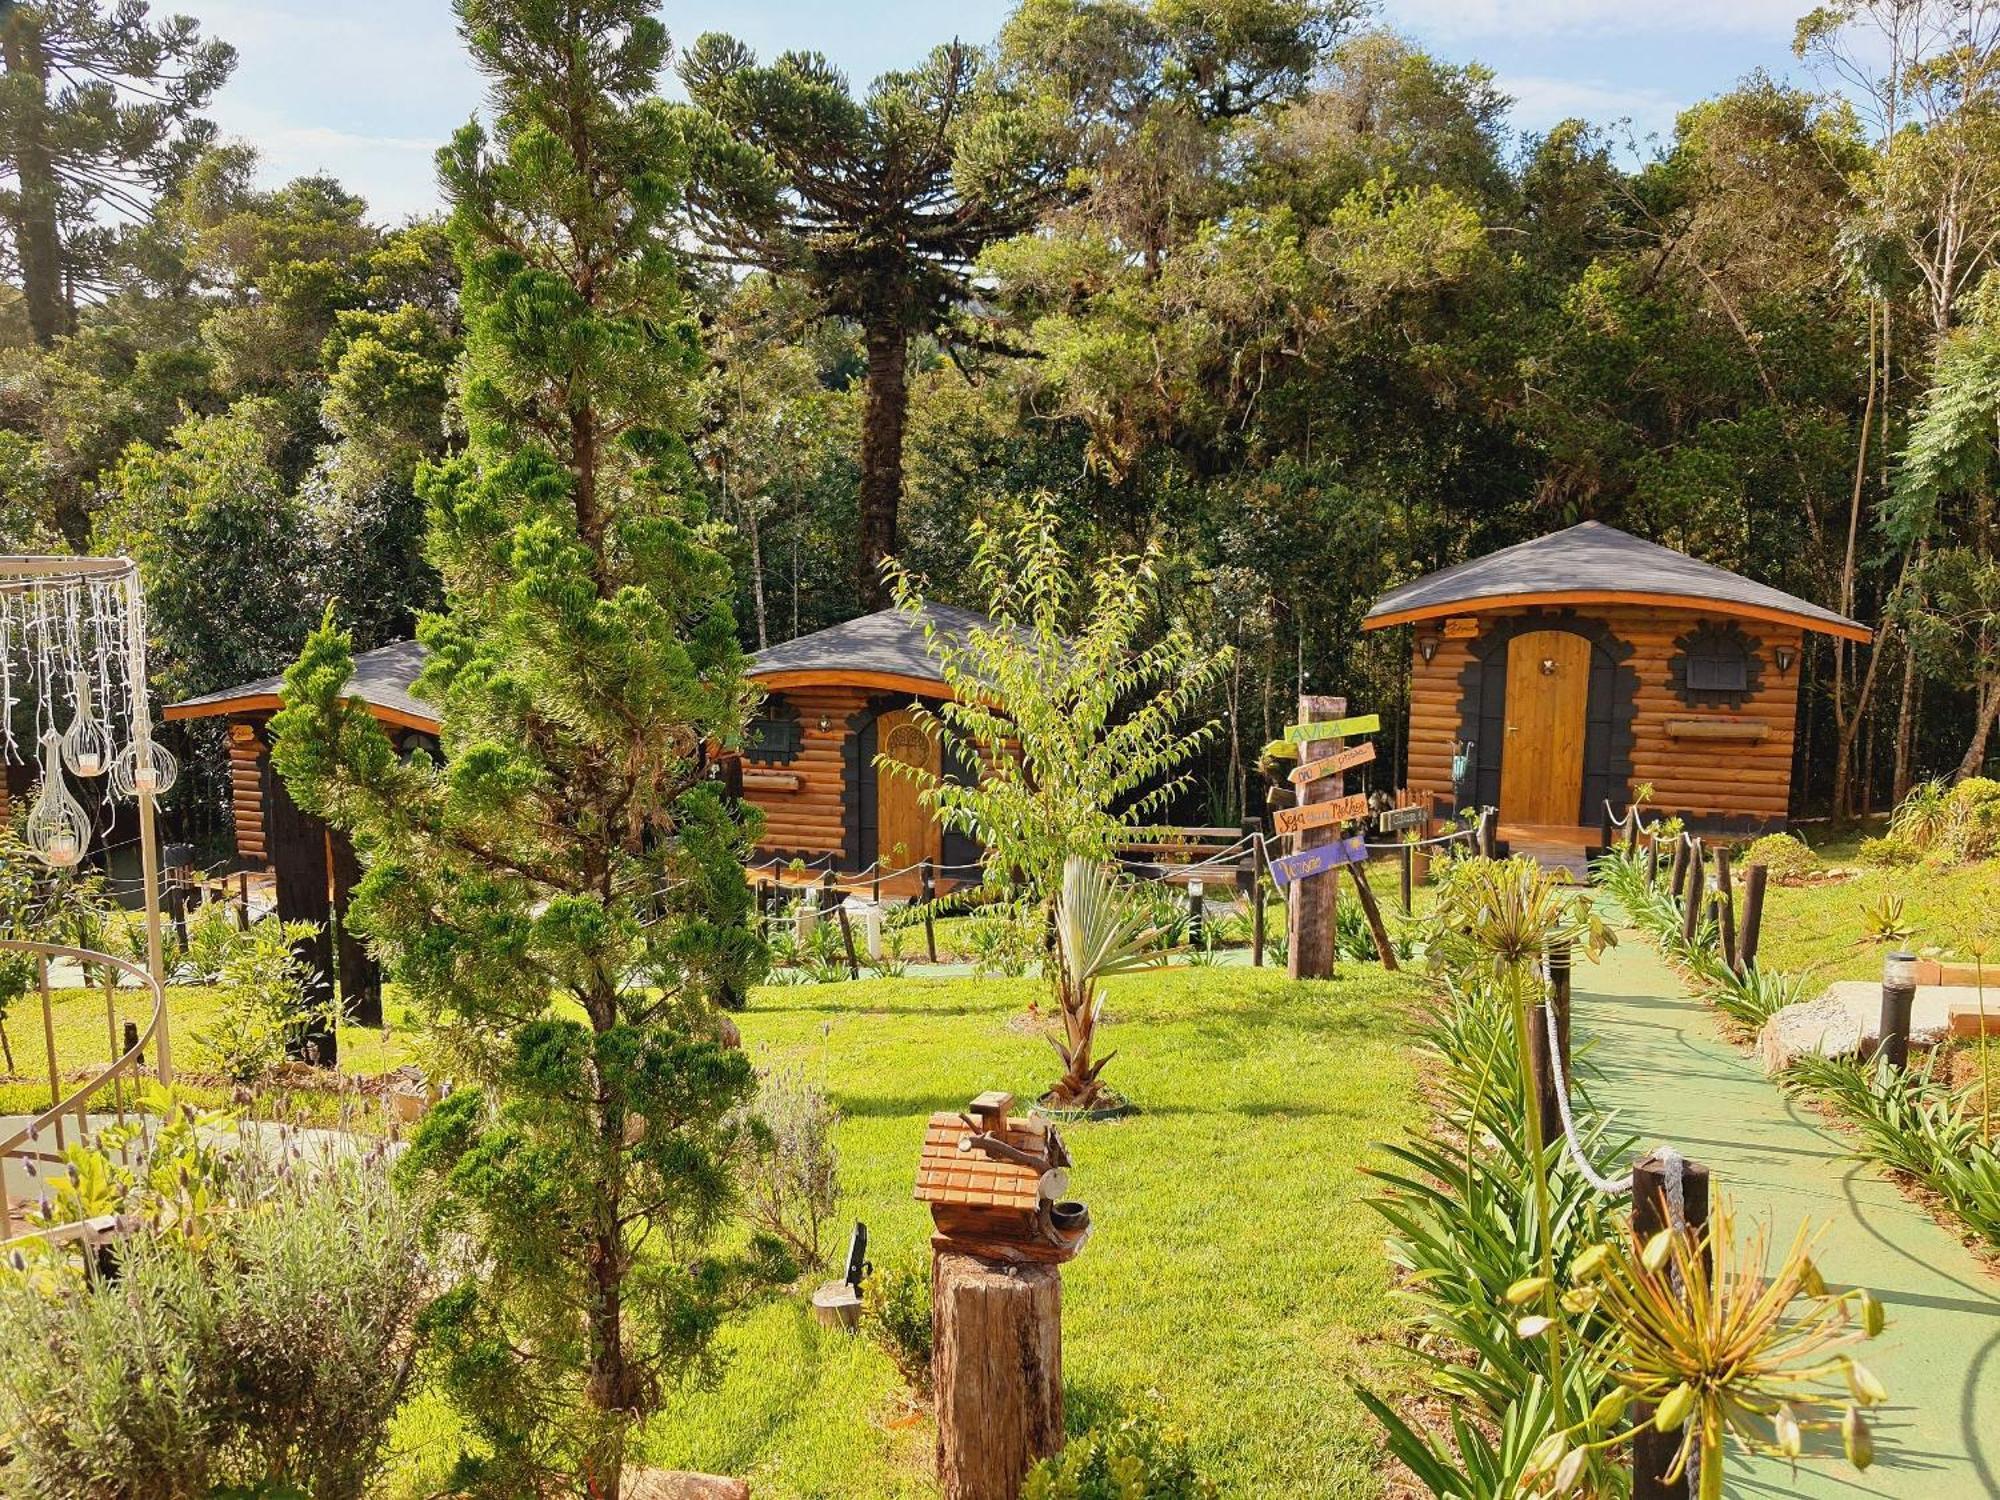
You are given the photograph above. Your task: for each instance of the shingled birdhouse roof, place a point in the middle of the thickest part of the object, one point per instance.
(951, 1173)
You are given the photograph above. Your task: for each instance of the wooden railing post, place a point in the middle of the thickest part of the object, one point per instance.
(1677, 875)
(1257, 915)
(1489, 831)
(1725, 911)
(1653, 1452)
(928, 894)
(1409, 878)
(1697, 892)
(1753, 914)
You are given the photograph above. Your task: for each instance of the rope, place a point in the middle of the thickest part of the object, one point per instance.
(1611, 1187)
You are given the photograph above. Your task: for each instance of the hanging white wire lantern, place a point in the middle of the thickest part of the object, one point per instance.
(86, 744)
(58, 828)
(145, 765)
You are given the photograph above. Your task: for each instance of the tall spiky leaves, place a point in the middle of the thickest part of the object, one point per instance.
(565, 894)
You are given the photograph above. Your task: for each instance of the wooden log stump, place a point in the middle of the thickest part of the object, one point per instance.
(997, 1368)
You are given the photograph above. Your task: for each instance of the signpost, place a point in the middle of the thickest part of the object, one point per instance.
(1311, 901)
(1321, 814)
(1305, 732)
(1344, 759)
(1399, 818)
(1307, 862)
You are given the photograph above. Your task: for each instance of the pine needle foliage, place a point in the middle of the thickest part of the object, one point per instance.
(563, 894)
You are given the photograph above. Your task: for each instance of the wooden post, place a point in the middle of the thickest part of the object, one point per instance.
(928, 894)
(1409, 879)
(1489, 831)
(1753, 914)
(1697, 891)
(1559, 964)
(1373, 912)
(830, 892)
(997, 1369)
(1652, 859)
(1309, 955)
(1543, 1077)
(1653, 1452)
(243, 901)
(1678, 876)
(1257, 869)
(1725, 911)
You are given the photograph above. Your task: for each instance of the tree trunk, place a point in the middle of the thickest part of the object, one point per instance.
(998, 1373)
(884, 410)
(1982, 729)
(37, 238)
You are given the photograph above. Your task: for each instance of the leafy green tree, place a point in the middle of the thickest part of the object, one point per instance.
(880, 205)
(1071, 719)
(566, 894)
(98, 113)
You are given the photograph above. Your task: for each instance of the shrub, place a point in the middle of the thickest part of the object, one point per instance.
(1784, 855)
(1132, 1461)
(1890, 852)
(791, 1182)
(896, 1314)
(263, 983)
(268, 1352)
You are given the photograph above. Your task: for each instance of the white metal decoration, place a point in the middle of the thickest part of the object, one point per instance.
(73, 696)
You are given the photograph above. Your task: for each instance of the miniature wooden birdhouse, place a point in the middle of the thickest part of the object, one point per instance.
(996, 1185)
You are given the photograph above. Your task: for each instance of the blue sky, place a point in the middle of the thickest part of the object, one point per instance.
(367, 89)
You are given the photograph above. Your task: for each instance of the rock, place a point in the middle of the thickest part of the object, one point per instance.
(1846, 1020)
(679, 1484)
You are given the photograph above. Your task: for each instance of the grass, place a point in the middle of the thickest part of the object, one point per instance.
(1820, 929)
(83, 1042)
(1234, 1285)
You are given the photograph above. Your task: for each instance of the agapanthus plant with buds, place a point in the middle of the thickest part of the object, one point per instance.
(1711, 1342)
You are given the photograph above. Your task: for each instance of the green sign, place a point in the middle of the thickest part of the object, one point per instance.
(1333, 729)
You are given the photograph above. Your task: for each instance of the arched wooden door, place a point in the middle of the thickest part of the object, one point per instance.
(905, 832)
(1548, 702)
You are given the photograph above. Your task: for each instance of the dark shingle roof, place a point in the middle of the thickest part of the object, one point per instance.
(382, 679)
(1593, 557)
(887, 641)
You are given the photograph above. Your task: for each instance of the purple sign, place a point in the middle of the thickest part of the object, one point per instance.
(1318, 861)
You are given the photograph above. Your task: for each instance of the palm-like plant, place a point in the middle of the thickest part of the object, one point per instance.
(1509, 913)
(1716, 1343)
(1099, 932)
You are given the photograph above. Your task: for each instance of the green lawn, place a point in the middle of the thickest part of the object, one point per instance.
(1234, 1285)
(1820, 929)
(82, 1041)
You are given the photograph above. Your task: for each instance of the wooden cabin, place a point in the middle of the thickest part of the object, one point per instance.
(313, 866)
(834, 700)
(1554, 677)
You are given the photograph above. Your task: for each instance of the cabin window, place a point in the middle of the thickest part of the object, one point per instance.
(1715, 666)
(773, 736)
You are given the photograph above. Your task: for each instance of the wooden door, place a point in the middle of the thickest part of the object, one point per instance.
(905, 832)
(1541, 759)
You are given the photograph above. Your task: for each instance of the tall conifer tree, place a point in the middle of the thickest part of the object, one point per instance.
(565, 893)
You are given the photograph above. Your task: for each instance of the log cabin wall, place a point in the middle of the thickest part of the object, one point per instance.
(1733, 784)
(246, 789)
(804, 798)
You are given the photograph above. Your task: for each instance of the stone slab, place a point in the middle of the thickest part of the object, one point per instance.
(1846, 1018)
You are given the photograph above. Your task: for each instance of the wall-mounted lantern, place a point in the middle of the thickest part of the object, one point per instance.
(1784, 656)
(1427, 647)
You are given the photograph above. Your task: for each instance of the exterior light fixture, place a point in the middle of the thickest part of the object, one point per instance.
(1784, 656)
(825, 723)
(1427, 647)
(1900, 969)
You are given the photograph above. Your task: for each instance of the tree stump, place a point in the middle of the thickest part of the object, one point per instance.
(997, 1365)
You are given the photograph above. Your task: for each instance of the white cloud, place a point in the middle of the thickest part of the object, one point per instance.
(1541, 101)
(1515, 19)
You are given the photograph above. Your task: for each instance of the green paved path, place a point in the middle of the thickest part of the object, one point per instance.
(1664, 1066)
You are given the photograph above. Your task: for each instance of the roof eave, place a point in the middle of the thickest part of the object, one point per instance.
(1387, 614)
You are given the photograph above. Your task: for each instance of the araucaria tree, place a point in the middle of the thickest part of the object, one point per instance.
(879, 205)
(565, 891)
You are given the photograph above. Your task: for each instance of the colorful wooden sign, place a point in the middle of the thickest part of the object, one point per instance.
(1398, 818)
(1318, 861)
(1461, 628)
(1344, 759)
(1333, 729)
(1320, 814)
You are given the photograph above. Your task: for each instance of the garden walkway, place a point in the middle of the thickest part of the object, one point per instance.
(1664, 1066)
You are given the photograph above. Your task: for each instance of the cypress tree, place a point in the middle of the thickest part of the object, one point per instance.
(564, 893)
